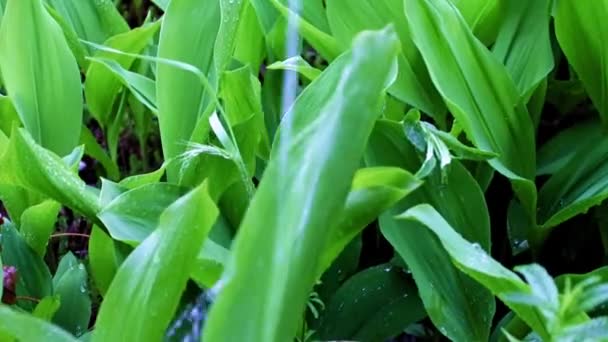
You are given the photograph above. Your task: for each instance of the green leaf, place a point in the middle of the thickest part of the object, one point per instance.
(8, 115)
(39, 170)
(34, 276)
(148, 285)
(209, 264)
(413, 84)
(577, 186)
(373, 191)
(143, 88)
(71, 287)
(483, 16)
(32, 73)
(478, 91)
(373, 305)
(25, 327)
(476, 263)
(582, 33)
(47, 307)
(523, 44)
(461, 308)
(321, 40)
(299, 195)
(101, 87)
(103, 259)
(231, 12)
(38, 223)
(557, 153)
(187, 35)
(133, 215)
(94, 21)
(298, 64)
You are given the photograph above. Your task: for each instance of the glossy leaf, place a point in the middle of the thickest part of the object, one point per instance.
(101, 87)
(95, 21)
(577, 186)
(39, 170)
(103, 259)
(476, 263)
(373, 305)
(32, 72)
(47, 307)
(24, 327)
(286, 266)
(483, 16)
(187, 35)
(38, 223)
(413, 84)
(523, 44)
(373, 191)
(558, 152)
(581, 34)
(148, 284)
(70, 284)
(298, 64)
(132, 216)
(478, 91)
(34, 276)
(461, 308)
(319, 39)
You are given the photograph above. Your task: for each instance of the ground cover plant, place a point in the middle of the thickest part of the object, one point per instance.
(315, 170)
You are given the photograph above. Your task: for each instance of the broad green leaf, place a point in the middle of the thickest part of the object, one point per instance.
(523, 44)
(209, 264)
(103, 259)
(475, 262)
(413, 84)
(132, 216)
(32, 72)
(187, 35)
(148, 285)
(483, 16)
(322, 41)
(373, 191)
(78, 50)
(47, 308)
(241, 93)
(8, 115)
(143, 88)
(266, 13)
(558, 152)
(34, 276)
(582, 33)
(478, 91)
(373, 305)
(94, 21)
(300, 195)
(39, 170)
(71, 287)
(297, 63)
(25, 327)
(249, 40)
(231, 13)
(461, 308)
(577, 186)
(101, 87)
(38, 223)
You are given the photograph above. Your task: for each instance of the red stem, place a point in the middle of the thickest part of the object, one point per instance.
(70, 234)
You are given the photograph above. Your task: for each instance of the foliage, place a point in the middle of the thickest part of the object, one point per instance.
(303, 170)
